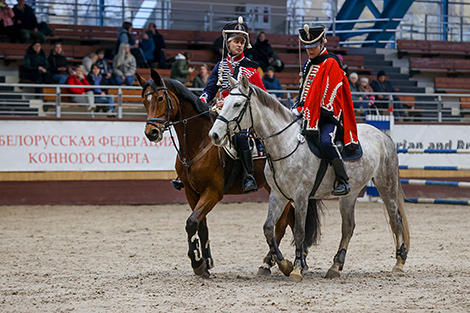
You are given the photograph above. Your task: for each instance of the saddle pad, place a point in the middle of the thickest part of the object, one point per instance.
(346, 154)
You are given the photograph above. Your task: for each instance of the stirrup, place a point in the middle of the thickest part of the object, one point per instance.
(337, 191)
(249, 185)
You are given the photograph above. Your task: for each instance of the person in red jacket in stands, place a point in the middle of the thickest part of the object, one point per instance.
(81, 95)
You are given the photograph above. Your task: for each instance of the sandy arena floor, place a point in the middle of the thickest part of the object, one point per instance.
(133, 259)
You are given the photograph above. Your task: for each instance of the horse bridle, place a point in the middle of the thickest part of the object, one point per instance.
(167, 123)
(169, 106)
(238, 119)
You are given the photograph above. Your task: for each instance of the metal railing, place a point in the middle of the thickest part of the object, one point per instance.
(208, 16)
(416, 107)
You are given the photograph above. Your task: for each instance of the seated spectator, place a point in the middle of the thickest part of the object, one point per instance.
(125, 36)
(88, 61)
(367, 97)
(383, 85)
(101, 95)
(81, 95)
(58, 64)
(263, 52)
(124, 66)
(106, 69)
(358, 101)
(26, 23)
(148, 47)
(180, 69)
(159, 42)
(200, 81)
(272, 83)
(36, 65)
(6, 21)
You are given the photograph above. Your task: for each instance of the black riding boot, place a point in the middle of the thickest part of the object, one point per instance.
(249, 182)
(341, 186)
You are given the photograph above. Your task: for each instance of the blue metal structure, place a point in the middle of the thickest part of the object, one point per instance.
(352, 10)
(445, 19)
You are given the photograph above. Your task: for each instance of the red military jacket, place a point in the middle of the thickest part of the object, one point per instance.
(325, 86)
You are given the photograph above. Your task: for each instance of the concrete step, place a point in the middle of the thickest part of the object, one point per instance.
(405, 83)
(377, 63)
(410, 89)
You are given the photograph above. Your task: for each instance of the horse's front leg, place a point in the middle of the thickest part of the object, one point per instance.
(199, 252)
(276, 208)
(299, 239)
(287, 218)
(203, 232)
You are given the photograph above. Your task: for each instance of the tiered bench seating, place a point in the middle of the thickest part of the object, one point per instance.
(439, 65)
(452, 84)
(432, 48)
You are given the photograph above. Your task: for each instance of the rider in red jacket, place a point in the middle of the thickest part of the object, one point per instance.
(326, 103)
(236, 39)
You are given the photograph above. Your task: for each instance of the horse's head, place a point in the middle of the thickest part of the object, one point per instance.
(160, 108)
(236, 112)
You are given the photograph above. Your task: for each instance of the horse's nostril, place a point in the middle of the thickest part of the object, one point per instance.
(215, 136)
(153, 134)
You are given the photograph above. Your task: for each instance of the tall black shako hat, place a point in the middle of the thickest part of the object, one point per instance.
(236, 29)
(312, 36)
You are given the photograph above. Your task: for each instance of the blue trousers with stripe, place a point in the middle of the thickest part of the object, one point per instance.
(327, 141)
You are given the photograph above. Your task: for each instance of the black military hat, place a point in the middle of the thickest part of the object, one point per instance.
(237, 29)
(312, 36)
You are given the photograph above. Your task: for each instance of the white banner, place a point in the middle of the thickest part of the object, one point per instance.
(30, 146)
(432, 137)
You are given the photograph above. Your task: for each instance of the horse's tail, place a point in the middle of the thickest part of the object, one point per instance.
(404, 220)
(312, 222)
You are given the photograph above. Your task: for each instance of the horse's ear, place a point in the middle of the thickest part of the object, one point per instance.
(232, 81)
(140, 80)
(156, 77)
(245, 82)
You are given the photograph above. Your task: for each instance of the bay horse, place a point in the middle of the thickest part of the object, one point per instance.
(292, 169)
(202, 167)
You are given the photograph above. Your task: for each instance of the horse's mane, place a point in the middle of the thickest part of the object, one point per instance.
(182, 92)
(269, 101)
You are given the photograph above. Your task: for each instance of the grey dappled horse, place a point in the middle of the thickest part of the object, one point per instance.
(293, 169)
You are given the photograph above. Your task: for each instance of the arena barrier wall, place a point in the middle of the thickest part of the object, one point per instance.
(112, 162)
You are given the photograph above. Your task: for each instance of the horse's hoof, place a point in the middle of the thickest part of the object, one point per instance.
(398, 270)
(296, 275)
(285, 266)
(333, 273)
(202, 270)
(263, 271)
